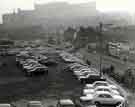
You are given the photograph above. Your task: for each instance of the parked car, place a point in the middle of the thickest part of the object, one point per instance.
(34, 104)
(82, 71)
(48, 62)
(65, 103)
(37, 70)
(101, 88)
(103, 98)
(100, 83)
(6, 105)
(30, 66)
(74, 66)
(84, 102)
(89, 77)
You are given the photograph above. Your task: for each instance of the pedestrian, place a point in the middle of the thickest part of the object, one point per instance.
(111, 68)
(88, 62)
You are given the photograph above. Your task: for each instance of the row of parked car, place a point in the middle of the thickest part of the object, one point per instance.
(79, 69)
(69, 58)
(102, 93)
(30, 64)
(97, 90)
(83, 72)
(60, 103)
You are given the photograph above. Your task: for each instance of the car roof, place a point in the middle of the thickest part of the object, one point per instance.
(88, 97)
(34, 102)
(100, 82)
(5, 105)
(98, 87)
(66, 102)
(103, 92)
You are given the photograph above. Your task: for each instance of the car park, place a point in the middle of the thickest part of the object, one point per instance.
(81, 71)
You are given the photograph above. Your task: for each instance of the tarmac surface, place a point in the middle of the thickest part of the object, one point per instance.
(15, 86)
(18, 89)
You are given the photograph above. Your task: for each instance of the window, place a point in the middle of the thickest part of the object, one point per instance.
(101, 96)
(100, 84)
(107, 96)
(107, 90)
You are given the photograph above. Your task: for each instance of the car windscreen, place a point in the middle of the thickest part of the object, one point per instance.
(100, 84)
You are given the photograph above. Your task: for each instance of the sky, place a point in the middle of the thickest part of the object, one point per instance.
(7, 6)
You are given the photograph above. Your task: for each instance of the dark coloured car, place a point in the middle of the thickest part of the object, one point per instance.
(48, 62)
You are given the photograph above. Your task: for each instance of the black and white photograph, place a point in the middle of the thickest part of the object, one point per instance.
(67, 53)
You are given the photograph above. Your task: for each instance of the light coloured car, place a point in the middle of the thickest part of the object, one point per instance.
(75, 66)
(86, 75)
(82, 71)
(100, 83)
(86, 100)
(34, 104)
(69, 59)
(5, 105)
(65, 103)
(103, 97)
(101, 88)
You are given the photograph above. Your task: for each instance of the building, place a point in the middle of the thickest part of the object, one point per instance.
(51, 15)
(119, 49)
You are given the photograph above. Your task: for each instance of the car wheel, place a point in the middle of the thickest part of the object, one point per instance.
(97, 104)
(118, 103)
(82, 81)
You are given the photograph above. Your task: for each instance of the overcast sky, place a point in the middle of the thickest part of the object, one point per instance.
(102, 5)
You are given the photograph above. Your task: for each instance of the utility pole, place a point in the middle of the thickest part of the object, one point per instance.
(100, 47)
(101, 43)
